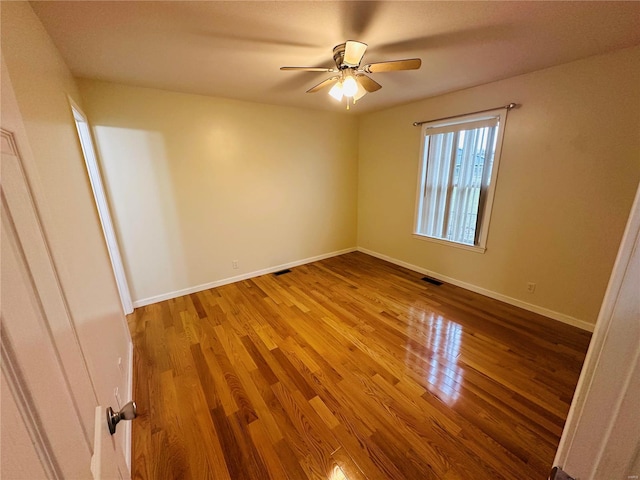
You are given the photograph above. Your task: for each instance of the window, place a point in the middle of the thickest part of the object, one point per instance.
(458, 169)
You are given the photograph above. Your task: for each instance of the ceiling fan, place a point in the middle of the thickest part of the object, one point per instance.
(351, 81)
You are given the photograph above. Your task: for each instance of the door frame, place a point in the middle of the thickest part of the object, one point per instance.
(99, 194)
(621, 350)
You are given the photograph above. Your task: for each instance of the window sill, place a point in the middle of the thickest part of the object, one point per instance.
(472, 248)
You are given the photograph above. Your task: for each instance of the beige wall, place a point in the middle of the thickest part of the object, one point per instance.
(569, 170)
(196, 182)
(57, 174)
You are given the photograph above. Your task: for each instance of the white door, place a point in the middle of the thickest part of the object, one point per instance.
(601, 439)
(43, 367)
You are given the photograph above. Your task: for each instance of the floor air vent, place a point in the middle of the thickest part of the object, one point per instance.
(433, 281)
(282, 272)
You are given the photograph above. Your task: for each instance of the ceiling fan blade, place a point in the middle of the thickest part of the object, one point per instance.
(324, 83)
(309, 69)
(369, 84)
(408, 64)
(353, 53)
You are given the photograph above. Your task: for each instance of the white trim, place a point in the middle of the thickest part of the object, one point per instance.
(497, 156)
(485, 216)
(96, 458)
(561, 317)
(238, 278)
(100, 196)
(127, 425)
(448, 243)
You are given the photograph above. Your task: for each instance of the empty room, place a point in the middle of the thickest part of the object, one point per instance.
(337, 240)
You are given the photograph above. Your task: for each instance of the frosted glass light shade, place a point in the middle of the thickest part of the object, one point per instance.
(337, 91)
(349, 86)
(360, 93)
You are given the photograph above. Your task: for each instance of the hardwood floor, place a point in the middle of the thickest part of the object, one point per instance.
(348, 368)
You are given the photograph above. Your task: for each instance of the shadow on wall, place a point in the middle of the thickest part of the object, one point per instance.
(206, 189)
(143, 202)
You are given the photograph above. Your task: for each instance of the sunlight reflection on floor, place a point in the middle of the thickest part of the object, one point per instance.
(435, 351)
(337, 474)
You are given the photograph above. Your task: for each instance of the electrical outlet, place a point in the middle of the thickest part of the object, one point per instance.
(234, 264)
(120, 365)
(531, 287)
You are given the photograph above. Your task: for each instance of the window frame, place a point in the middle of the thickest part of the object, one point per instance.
(488, 198)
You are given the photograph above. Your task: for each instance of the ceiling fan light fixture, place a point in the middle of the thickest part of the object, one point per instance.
(337, 91)
(349, 86)
(360, 93)
(351, 82)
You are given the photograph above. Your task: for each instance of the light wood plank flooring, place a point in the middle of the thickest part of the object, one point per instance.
(348, 368)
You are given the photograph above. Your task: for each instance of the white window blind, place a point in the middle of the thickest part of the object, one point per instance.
(456, 174)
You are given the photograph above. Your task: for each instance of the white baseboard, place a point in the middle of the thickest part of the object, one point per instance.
(238, 278)
(561, 317)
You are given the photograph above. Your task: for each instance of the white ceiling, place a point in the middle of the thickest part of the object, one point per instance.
(234, 49)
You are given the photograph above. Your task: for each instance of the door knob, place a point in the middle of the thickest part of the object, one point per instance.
(128, 412)
(558, 474)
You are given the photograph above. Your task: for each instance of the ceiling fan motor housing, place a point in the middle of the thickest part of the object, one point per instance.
(338, 56)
